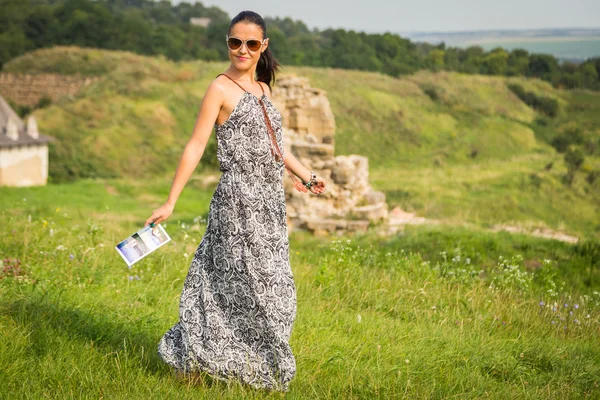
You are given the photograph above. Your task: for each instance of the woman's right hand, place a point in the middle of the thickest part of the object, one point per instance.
(160, 214)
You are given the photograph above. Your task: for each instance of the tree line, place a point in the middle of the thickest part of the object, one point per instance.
(162, 28)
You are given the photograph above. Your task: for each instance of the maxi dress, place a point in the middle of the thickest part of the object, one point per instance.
(238, 302)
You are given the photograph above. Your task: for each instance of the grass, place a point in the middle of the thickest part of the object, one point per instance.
(494, 191)
(436, 312)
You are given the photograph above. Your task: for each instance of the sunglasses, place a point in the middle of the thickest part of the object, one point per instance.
(251, 44)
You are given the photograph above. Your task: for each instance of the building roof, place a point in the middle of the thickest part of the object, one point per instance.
(8, 114)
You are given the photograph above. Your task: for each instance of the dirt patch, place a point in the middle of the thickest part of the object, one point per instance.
(399, 218)
(111, 190)
(539, 232)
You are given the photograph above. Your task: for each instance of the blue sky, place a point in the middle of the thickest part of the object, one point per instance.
(378, 16)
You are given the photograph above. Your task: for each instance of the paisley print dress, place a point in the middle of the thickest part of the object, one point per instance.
(238, 302)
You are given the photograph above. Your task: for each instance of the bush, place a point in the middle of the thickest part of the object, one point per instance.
(570, 137)
(546, 105)
(431, 92)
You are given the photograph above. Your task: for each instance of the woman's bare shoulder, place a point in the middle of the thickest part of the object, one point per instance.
(218, 84)
(217, 89)
(266, 88)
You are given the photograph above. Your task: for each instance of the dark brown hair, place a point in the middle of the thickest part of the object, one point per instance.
(267, 65)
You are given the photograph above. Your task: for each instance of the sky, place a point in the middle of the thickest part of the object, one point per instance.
(396, 16)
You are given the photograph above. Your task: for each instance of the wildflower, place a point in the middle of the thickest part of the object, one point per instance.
(45, 223)
(570, 312)
(71, 256)
(60, 247)
(576, 306)
(566, 305)
(542, 304)
(553, 308)
(130, 277)
(576, 321)
(552, 322)
(407, 360)
(57, 209)
(358, 318)
(185, 255)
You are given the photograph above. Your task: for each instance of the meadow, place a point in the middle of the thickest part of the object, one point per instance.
(436, 311)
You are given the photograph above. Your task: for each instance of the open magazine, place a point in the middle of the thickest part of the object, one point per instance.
(142, 243)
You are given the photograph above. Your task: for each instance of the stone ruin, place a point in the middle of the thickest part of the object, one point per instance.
(349, 202)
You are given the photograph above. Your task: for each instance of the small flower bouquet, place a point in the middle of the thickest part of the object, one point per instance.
(142, 243)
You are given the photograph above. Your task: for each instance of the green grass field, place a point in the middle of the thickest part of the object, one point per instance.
(434, 313)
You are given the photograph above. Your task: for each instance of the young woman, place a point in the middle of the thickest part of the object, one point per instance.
(238, 302)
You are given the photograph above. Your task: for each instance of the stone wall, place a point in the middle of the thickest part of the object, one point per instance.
(349, 202)
(26, 89)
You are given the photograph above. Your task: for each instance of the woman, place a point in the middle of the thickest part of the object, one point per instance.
(238, 302)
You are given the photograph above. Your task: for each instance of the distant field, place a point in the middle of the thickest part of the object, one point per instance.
(561, 47)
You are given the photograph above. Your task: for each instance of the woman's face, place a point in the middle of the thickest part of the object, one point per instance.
(243, 58)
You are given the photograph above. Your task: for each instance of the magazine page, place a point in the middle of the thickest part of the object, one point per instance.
(142, 243)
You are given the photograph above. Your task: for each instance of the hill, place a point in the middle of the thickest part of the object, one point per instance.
(450, 146)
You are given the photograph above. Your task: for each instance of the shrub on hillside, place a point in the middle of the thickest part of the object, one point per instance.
(546, 105)
(574, 158)
(569, 137)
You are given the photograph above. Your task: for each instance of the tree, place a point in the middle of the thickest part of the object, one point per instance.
(451, 59)
(435, 60)
(495, 62)
(542, 66)
(518, 62)
(470, 59)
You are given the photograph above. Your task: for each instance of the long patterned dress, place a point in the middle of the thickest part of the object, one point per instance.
(238, 302)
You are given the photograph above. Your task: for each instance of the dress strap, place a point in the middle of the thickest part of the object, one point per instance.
(261, 87)
(275, 150)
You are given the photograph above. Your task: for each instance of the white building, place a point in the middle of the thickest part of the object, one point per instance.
(23, 150)
(202, 21)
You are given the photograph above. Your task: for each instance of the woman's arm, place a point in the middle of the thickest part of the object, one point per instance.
(297, 168)
(194, 149)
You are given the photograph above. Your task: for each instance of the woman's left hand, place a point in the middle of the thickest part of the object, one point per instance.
(318, 187)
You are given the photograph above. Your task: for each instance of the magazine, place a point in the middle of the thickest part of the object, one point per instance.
(142, 243)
